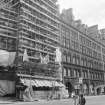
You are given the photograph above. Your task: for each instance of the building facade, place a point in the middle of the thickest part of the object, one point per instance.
(32, 25)
(82, 58)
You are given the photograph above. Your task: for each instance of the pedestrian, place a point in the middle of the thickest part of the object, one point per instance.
(82, 100)
(72, 94)
(74, 98)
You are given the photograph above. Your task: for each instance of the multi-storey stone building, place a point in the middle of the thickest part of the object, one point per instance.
(31, 25)
(82, 57)
(34, 26)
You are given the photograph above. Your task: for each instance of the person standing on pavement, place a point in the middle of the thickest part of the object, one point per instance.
(74, 98)
(82, 100)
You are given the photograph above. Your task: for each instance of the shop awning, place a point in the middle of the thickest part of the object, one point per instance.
(41, 83)
(36, 82)
(61, 84)
(48, 83)
(28, 82)
(57, 84)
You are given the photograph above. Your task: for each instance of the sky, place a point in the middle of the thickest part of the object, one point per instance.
(91, 12)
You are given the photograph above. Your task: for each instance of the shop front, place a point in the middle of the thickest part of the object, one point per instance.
(36, 89)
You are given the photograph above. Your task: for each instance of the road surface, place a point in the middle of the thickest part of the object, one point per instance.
(90, 100)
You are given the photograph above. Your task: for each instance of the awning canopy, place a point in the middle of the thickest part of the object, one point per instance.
(40, 83)
(43, 83)
(61, 84)
(57, 84)
(28, 82)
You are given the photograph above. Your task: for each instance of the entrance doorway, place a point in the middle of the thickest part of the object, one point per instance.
(69, 87)
(98, 91)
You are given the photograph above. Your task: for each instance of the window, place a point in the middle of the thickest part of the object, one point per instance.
(74, 60)
(82, 39)
(98, 48)
(103, 50)
(78, 73)
(82, 61)
(64, 72)
(77, 60)
(64, 58)
(89, 63)
(67, 43)
(85, 62)
(74, 73)
(76, 46)
(68, 58)
(74, 35)
(88, 42)
(94, 54)
(83, 49)
(69, 72)
(72, 44)
(94, 45)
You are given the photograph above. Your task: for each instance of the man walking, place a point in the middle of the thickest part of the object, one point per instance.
(82, 100)
(74, 97)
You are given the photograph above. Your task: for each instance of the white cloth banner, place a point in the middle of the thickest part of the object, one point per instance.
(25, 56)
(58, 55)
(6, 58)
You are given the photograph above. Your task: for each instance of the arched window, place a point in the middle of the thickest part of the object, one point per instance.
(85, 62)
(69, 74)
(82, 61)
(68, 58)
(64, 58)
(77, 60)
(64, 72)
(74, 59)
(74, 73)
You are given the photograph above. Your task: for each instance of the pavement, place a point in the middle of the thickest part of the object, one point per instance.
(7, 100)
(90, 100)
